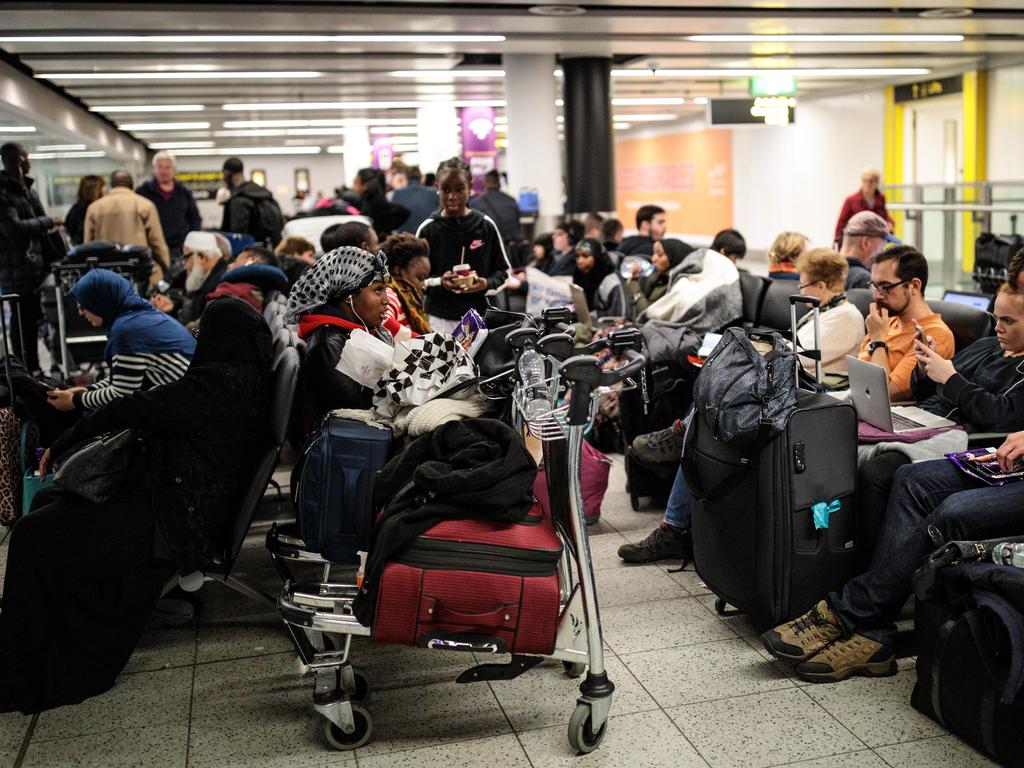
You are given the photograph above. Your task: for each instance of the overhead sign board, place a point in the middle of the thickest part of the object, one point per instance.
(773, 85)
(929, 89)
(764, 110)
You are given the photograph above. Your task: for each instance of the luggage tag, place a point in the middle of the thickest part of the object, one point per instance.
(822, 511)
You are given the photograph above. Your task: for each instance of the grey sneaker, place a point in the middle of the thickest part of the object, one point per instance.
(662, 447)
(664, 543)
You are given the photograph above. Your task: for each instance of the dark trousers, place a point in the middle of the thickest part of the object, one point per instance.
(929, 493)
(28, 329)
(874, 487)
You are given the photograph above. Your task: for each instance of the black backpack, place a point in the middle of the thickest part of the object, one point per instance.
(745, 395)
(267, 220)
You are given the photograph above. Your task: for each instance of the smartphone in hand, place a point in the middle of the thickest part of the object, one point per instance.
(920, 334)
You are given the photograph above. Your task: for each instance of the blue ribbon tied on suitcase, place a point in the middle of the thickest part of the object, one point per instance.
(823, 511)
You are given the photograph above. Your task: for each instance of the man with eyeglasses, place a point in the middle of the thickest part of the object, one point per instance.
(899, 276)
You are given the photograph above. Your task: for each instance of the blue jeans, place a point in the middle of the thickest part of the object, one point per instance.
(679, 509)
(929, 493)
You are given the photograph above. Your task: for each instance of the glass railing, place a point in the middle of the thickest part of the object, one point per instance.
(943, 221)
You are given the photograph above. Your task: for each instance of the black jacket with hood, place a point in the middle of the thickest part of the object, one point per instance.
(23, 222)
(449, 237)
(240, 213)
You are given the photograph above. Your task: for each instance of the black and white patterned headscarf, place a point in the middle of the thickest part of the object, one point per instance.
(336, 274)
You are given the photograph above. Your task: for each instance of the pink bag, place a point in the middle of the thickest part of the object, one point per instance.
(594, 477)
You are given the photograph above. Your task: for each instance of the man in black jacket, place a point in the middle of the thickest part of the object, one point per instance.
(174, 202)
(651, 225)
(502, 208)
(23, 222)
(251, 209)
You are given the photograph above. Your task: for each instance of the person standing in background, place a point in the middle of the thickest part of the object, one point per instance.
(502, 208)
(420, 200)
(128, 219)
(867, 198)
(23, 222)
(174, 202)
(250, 209)
(90, 188)
(651, 225)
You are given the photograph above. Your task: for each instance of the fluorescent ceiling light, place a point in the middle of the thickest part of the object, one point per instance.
(146, 108)
(840, 38)
(163, 126)
(217, 75)
(252, 151)
(351, 122)
(724, 74)
(621, 126)
(63, 155)
(180, 144)
(244, 38)
(384, 129)
(445, 74)
(701, 100)
(652, 118)
(300, 106)
(60, 148)
(17, 129)
(666, 101)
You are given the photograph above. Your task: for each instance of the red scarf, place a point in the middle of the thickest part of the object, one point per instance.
(309, 323)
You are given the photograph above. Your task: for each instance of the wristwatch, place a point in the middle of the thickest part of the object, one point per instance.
(877, 345)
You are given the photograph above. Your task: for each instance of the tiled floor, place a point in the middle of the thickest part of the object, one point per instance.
(692, 689)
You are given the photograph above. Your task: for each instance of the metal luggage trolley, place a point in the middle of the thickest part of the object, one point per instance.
(319, 614)
(66, 275)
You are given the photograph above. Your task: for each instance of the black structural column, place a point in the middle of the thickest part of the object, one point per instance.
(589, 149)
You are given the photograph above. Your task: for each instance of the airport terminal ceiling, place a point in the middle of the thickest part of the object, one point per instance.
(208, 75)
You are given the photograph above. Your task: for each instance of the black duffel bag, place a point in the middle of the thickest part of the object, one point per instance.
(992, 254)
(970, 663)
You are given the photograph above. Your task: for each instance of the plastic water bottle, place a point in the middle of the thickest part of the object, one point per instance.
(531, 371)
(1008, 553)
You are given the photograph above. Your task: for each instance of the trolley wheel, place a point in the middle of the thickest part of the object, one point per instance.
(634, 502)
(721, 607)
(574, 668)
(581, 733)
(363, 686)
(360, 737)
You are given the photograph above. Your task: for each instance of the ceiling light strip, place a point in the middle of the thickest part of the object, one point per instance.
(146, 108)
(800, 73)
(203, 75)
(253, 38)
(299, 106)
(827, 38)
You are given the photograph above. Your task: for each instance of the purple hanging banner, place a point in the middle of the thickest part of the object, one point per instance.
(383, 153)
(479, 143)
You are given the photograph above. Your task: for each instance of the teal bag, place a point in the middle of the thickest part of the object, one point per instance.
(31, 483)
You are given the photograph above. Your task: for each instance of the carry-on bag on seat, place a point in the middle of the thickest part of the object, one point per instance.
(332, 486)
(475, 581)
(774, 520)
(970, 656)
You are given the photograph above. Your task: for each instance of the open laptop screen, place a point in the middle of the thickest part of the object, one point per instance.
(976, 300)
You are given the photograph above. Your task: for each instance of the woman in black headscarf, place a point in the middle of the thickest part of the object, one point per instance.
(592, 267)
(645, 290)
(83, 578)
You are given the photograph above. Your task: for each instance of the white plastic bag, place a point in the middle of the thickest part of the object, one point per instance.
(365, 358)
(423, 368)
(546, 291)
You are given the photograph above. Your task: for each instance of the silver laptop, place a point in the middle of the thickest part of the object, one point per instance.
(869, 391)
(579, 300)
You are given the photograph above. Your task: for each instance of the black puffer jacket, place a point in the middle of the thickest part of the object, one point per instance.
(325, 388)
(22, 224)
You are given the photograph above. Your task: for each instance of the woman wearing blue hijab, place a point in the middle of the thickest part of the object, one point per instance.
(145, 347)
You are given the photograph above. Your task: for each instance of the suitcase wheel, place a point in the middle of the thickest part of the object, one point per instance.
(634, 502)
(574, 669)
(582, 738)
(720, 607)
(360, 737)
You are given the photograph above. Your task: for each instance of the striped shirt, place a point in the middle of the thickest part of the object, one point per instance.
(134, 373)
(395, 308)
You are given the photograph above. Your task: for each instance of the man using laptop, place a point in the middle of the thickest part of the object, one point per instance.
(899, 276)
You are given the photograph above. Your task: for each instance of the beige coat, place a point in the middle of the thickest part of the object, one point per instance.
(129, 219)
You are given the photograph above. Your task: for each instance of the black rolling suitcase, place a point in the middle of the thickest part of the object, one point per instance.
(755, 541)
(645, 480)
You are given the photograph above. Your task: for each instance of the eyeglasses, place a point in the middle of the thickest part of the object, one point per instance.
(884, 288)
(808, 285)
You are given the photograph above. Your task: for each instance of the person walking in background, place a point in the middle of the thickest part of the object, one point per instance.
(502, 208)
(867, 198)
(173, 200)
(90, 189)
(250, 209)
(128, 219)
(23, 222)
(420, 200)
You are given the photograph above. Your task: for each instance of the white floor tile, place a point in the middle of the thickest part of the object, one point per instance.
(12, 729)
(704, 672)
(939, 751)
(647, 739)
(165, 746)
(661, 624)
(634, 585)
(877, 710)
(863, 759)
(497, 752)
(762, 730)
(163, 648)
(242, 637)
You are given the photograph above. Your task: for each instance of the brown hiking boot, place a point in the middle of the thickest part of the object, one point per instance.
(853, 655)
(805, 636)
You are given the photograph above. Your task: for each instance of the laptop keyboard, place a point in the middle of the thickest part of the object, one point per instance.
(902, 423)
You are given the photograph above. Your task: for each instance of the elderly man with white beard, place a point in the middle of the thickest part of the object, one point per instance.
(205, 265)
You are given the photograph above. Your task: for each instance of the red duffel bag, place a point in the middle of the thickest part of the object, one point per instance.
(474, 580)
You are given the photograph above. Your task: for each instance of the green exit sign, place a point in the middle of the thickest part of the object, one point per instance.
(773, 85)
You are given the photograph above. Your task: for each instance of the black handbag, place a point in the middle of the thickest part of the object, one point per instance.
(96, 469)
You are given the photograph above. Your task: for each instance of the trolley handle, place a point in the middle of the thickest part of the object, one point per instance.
(556, 319)
(556, 345)
(584, 371)
(521, 338)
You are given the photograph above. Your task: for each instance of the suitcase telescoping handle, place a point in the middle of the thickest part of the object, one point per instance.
(15, 300)
(813, 354)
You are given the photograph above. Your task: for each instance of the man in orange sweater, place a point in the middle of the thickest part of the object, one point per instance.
(898, 278)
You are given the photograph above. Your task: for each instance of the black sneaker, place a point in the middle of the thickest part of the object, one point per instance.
(662, 447)
(664, 543)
